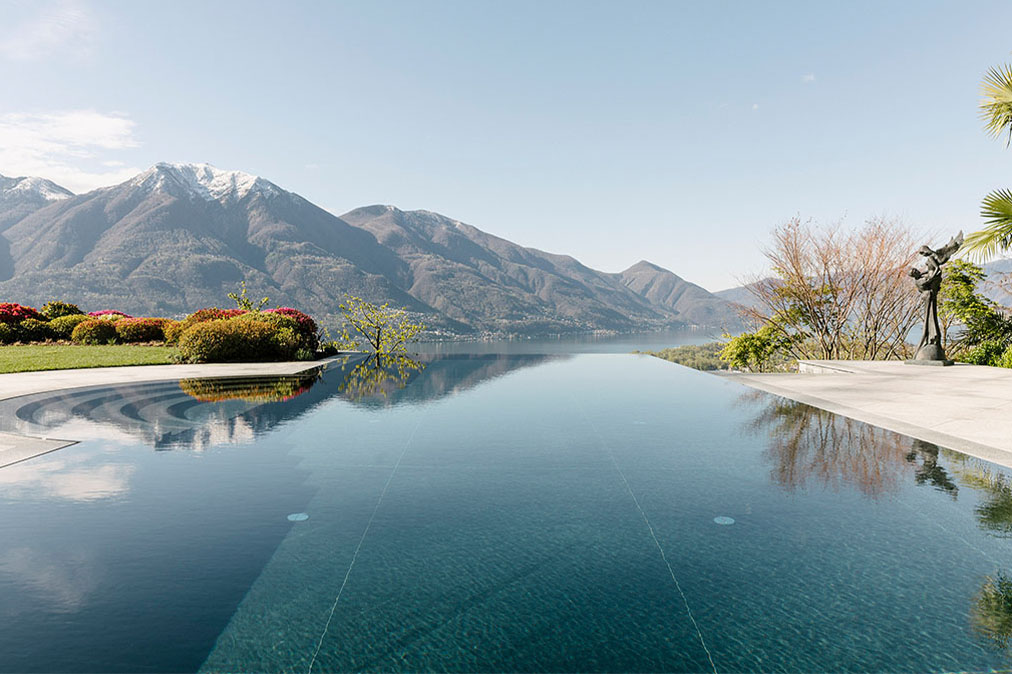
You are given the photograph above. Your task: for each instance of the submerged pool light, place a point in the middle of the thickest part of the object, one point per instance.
(723, 520)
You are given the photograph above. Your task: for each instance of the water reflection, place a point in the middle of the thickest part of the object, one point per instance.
(249, 389)
(807, 444)
(991, 613)
(197, 414)
(378, 377)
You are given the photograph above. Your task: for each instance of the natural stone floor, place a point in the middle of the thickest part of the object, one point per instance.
(963, 407)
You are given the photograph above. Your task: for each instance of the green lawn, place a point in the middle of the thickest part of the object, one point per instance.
(66, 356)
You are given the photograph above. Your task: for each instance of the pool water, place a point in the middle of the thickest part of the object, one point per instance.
(492, 513)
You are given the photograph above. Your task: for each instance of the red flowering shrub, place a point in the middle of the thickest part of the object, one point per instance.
(141, 329)
(307, 326)
(95, 331)
(108, 314)
(11, 312)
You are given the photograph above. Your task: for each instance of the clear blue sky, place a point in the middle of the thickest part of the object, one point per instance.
(679, 132)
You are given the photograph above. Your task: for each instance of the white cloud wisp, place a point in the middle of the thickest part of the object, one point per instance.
(55, 145)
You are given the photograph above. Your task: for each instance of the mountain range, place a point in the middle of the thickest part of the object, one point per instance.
(178, 237)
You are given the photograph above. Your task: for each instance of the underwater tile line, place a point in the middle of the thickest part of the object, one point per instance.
(660, 548)
(358, 547)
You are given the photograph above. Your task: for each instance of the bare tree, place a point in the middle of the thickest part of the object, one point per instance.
(839, 294)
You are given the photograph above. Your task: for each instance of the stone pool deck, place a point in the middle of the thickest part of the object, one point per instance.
(963, 407)
(16, 448)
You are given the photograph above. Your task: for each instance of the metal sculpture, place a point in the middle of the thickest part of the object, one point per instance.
(929, 282)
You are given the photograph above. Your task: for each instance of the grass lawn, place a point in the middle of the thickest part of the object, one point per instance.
(66, 356)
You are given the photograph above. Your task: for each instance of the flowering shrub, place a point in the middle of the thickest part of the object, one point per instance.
(307, 325)
(174, 332)
(228, 341)
(57, 309)
(141, 329)
(11, 312)
(94, 331)
(109, 314)
(63, 327)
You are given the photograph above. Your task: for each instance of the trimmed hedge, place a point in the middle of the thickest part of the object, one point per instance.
(174, 332)
(57, 309)
(141, 329)
(63, 327)
(229, 341)
(8, 333)
(33, 330)
(307, 325)
(94, 331)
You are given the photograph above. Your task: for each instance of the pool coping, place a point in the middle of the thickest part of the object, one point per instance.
(965, 407)
(16, 448)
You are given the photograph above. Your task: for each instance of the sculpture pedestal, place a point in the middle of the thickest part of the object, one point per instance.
(930, 354)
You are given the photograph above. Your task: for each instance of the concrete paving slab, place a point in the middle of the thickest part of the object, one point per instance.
(962, 407)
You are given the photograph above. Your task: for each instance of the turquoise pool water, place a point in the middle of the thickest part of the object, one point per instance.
(492, 513)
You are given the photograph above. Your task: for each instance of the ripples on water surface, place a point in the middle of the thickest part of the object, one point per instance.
(492, 513)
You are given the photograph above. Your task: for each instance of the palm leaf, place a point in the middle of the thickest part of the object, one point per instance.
(996, 106)
(996, 236)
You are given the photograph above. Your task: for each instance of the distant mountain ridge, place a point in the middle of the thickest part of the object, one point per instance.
(181, 236)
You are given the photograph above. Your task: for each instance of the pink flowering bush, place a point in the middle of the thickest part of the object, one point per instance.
(108, 314)
(13, 313)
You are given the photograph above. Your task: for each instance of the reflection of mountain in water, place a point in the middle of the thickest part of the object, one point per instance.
(422, 378)
(201, 413)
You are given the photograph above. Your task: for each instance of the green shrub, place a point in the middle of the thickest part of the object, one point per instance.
(57, 309)
(1006, 358)
(175, 331)
(8, 333)
(287, 332)
(94, 331)
(34, 330)
(140, 329)
(229, 341)
(985, 353)
(63, 327)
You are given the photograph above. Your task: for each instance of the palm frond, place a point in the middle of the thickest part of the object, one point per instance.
(996, 105)
(996, 236)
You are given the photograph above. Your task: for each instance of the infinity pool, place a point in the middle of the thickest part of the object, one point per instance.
(492, 513)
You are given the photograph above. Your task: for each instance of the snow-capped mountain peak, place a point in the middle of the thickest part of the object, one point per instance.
(30, 186)
(205, 181)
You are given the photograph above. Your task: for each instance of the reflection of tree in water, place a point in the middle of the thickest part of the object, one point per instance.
(201, 413)
(994, 513)
(991, 612)
(807, 443)
(378, 376)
